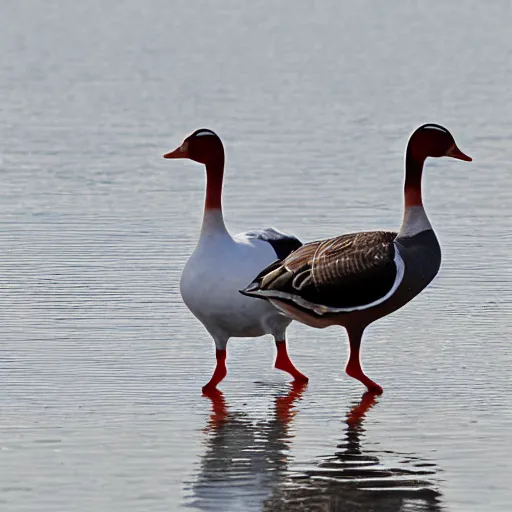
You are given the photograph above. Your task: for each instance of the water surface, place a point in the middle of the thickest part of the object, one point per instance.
(101, 364)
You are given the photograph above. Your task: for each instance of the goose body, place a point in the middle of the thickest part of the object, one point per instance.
(217, 269)
(354, 279)
(221, 264)
(367, 275)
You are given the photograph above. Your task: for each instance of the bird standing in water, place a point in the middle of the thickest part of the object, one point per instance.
(222, 264)
(354, 279)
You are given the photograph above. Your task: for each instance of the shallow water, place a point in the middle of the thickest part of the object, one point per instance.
(101, 364)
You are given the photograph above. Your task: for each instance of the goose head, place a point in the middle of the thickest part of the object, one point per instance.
(203, 146)
(435, 141)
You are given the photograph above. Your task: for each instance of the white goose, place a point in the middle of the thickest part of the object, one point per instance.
(222, 264)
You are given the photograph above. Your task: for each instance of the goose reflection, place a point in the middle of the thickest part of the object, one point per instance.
(244, 456)
(355, 480)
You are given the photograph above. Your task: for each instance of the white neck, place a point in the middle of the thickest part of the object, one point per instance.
(415, 221)
(213, 223)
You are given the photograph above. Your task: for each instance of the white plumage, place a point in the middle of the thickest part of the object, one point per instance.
(221, 265)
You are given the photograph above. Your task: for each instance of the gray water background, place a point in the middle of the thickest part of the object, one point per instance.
(101, 364)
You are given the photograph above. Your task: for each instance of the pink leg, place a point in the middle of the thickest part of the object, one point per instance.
(353, 367)
(219, 373)
(283, 362)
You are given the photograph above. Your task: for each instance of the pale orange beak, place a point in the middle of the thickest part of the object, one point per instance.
(181, 152)
(455, 152)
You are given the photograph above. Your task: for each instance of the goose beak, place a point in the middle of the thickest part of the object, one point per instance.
(181, 152)
(455, 152)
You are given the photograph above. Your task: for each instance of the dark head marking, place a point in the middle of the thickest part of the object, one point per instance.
(202, 132)
(204, 146)
(433, 140)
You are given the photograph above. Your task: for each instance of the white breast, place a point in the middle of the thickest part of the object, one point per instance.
(415, 221)
(210, 283)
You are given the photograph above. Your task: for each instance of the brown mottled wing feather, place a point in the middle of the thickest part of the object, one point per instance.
(343, 272)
